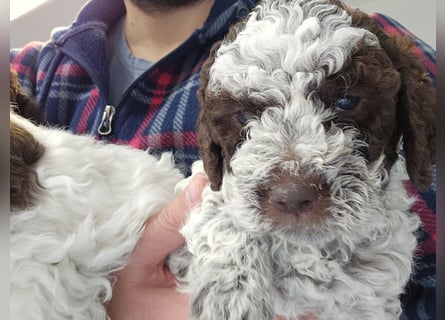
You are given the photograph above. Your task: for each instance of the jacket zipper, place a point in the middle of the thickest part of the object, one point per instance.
(105, 126)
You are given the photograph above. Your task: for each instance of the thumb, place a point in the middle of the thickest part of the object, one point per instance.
(161, 235)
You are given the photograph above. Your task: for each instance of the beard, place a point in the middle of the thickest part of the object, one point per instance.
(162, 5)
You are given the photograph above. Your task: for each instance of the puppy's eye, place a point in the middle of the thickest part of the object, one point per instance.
(346, 103)
(242, 117)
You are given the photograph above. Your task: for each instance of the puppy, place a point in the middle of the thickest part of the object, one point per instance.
(78, 207)
(304, 108)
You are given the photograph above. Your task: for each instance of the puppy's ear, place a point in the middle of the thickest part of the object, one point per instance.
(205, 74)
(210, 150)
(416, 111)
(212, 158)
(25, 151)
(216, 148)
(416, 107)
(21, 102)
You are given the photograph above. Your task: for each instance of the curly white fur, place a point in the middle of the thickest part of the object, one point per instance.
(89, 213)
(354, 265)
(302, 37)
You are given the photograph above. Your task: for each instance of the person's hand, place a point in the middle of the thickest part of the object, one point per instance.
(145, 289)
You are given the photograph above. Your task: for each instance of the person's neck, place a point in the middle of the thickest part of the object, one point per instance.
(151, 36)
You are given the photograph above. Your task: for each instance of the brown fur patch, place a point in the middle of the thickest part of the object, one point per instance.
(21, 102)
(216, 150)
(25, 151)
(397, 99)
(416, 102)
(370, 77)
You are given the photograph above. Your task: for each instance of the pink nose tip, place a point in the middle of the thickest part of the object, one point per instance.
(294, 199)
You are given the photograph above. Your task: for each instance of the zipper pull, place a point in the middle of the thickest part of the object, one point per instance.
(107, 117)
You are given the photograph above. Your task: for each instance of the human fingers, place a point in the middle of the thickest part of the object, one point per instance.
(130, 303)
(161, 235)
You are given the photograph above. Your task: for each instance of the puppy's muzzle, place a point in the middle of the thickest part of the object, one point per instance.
(292, 199)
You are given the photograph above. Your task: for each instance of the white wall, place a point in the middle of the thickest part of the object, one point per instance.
(417, 16)
(38, 23)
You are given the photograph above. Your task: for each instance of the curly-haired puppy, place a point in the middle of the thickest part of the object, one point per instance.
(304, 105)
(78, 207)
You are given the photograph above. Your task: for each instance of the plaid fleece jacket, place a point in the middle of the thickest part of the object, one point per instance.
(68, 76)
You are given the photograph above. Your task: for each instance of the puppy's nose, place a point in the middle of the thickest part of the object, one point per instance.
(294, 199)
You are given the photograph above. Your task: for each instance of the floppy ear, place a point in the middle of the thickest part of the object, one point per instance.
(210, 151)
(416, 106)
(215, 157)
(416, 110)
(21, 102)
(25, 151)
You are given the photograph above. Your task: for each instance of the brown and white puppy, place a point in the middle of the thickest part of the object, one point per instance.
(305, 105)
(78, 208)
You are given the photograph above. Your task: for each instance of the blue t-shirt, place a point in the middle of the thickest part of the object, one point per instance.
(124, 67)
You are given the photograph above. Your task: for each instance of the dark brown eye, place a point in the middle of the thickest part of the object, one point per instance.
(346, 103)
